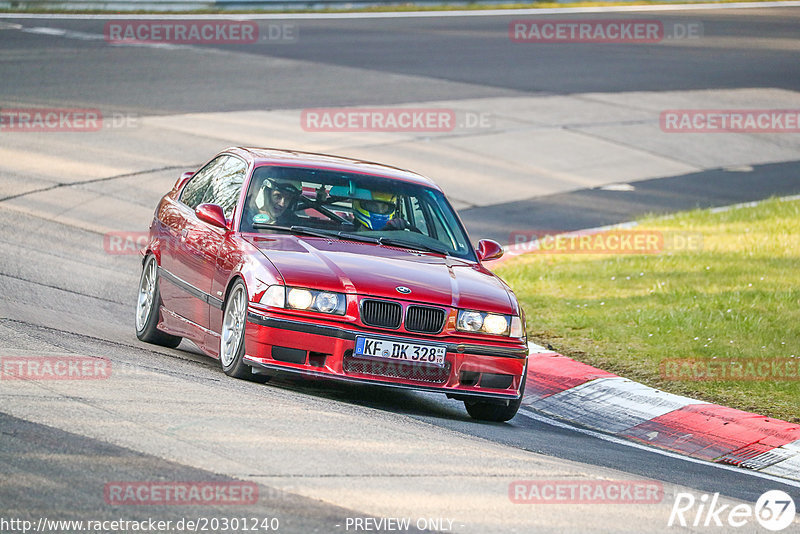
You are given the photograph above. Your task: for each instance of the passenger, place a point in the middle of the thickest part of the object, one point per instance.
(280, 200)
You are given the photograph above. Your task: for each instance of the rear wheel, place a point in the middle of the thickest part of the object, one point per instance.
(498, 413)
(231, 343)
(147, 306)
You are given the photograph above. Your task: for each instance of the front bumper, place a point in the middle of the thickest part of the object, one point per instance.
(321, 350)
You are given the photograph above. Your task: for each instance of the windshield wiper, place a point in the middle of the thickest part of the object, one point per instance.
(306, 230)
(293, 229)
(316, 232)
(391, 241)
(334, 233)
(356, 237)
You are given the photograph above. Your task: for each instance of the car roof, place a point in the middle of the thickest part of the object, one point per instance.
(275, 156)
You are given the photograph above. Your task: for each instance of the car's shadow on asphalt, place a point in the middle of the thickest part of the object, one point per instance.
(395, 400)
(421, 405)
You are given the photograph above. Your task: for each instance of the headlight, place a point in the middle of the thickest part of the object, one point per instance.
(470, 321)
(326, 302)
(298, 298)
(487, 323)
(495, 324)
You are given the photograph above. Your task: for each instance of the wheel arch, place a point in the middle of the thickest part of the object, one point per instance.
(234, 278)
(151, 249)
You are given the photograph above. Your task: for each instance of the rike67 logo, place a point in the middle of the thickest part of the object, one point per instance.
(774, 510)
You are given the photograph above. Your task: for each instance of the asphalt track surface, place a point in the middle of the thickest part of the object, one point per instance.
(457, 57)
(59, 445)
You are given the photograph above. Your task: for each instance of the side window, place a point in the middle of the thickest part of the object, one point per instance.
(193, 192)
(226, 184)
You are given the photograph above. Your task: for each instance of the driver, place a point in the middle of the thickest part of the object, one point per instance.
(379, 213)
(279, 200)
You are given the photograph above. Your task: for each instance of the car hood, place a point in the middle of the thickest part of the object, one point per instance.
(376, 270)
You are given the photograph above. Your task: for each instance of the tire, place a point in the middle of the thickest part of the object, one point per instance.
(231, 339)
(147, 308)
(497, 413)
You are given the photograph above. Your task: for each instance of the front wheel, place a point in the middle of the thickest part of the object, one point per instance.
(147, 306)
(498, 413)
(231, 343)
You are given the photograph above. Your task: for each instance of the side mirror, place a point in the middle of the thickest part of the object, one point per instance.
(183, 179)
(489, 250)
(212, 214)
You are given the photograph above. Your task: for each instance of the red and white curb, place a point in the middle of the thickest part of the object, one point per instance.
(571, 391)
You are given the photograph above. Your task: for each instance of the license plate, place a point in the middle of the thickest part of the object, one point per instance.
(390, 349)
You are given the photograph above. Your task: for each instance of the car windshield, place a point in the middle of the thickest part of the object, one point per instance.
(353, 206)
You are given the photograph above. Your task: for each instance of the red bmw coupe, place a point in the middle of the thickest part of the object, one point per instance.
(281, 261)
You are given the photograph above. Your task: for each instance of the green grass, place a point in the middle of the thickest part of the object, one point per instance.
(736, 298)
(399, 7)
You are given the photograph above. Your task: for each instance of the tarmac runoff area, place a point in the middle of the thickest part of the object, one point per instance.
(64, 192)
(524, 147)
